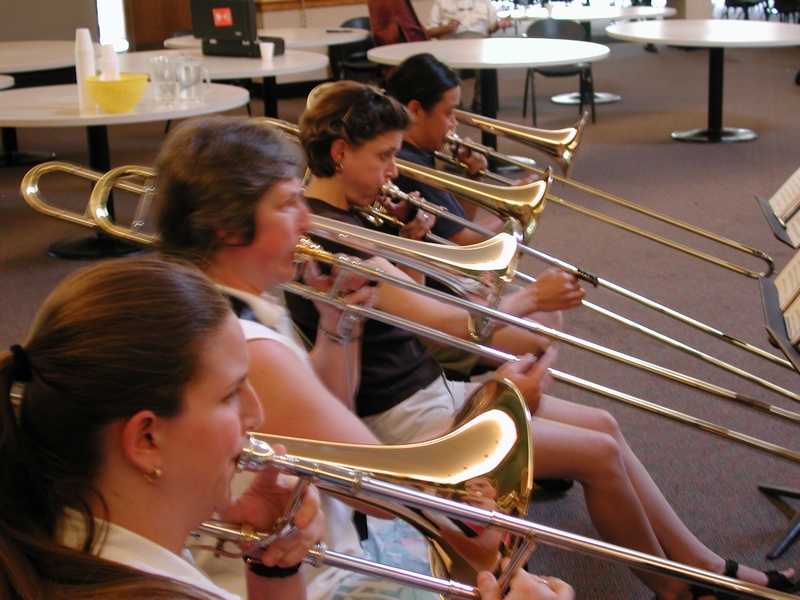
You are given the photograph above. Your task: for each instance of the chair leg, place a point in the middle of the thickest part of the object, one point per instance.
(533, 96)
(590, 90)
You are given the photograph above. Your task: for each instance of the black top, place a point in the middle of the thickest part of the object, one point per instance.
(394, 363)
(443, 227)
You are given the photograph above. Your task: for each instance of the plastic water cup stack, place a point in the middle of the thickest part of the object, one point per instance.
(84, 67)
(110, 64)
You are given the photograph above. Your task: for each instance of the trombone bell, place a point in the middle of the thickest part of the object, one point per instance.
(489, 439)
(561, 144)
(523, 203)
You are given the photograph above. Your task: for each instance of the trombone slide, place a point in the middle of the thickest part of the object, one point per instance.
(343, 481)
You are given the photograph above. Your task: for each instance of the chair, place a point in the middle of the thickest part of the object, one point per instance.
(564, 30)
(786, 10)
(349, 61)
(745, 6)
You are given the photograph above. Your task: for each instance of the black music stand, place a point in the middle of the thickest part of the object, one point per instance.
(776, 494)
(776, 328)
(777, 227)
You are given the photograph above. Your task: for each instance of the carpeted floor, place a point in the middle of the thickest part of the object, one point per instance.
(710, 480)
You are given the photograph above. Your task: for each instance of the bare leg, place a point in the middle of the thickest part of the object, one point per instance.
(594, 459)
(676, 540)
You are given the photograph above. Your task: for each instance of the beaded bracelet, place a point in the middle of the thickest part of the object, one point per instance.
(256, 567)
(336, 338)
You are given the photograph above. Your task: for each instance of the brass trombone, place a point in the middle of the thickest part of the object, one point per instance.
(423, 256)
(319, 463)
(517, 202)
(554, 147)
(445, 181)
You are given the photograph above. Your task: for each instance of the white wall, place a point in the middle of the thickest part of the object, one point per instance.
(46, 19)
(326, 17)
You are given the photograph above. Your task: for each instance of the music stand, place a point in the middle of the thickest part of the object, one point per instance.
(776, 328)
(782, 211)
(775, 494)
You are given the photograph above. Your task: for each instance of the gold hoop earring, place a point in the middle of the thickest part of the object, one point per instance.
(339, 168)
(157, 473)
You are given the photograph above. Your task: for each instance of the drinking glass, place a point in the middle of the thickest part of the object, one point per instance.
(193, 79)
(164, 77)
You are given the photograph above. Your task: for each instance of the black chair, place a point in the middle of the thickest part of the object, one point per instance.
(563, 30)
(349, 61)
(786, 10)
(745, 6)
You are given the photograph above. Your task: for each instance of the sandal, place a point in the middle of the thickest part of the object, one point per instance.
(775, 580)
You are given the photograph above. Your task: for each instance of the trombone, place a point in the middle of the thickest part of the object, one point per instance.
(525, 204)
(445, 181)
(350, 481)
(564, 151)
(423, 255)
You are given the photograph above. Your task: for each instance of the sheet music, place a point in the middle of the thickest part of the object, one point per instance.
(786, 201)
(793, 230)
(792, 319)
(787, 282)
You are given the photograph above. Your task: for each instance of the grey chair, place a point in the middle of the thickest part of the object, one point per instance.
(563, 30)
(349, 61)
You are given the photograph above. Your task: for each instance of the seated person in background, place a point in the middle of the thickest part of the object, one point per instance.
(460, 18)
(466, 19)
(134, 407)
(394, 22)
(431, 92)
(229, 198)
(351, 135)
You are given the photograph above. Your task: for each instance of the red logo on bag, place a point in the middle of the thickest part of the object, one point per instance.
(222, 17)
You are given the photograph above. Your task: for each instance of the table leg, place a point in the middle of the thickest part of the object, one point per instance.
(489, 103)
(12, 157)
(715, 132)
(574, 98)
(97, 244)
(270, 91)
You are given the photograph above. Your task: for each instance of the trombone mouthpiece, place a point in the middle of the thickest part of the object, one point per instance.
(256, 456)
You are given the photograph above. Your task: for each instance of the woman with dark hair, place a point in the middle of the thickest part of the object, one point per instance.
(121, 420)
(431, 92)
(351, 135)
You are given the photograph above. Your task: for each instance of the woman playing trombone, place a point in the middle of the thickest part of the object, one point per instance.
(351, 135)
(229, 199)
(431, 91)
(128, 413)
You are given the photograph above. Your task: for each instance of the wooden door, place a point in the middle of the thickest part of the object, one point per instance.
(150, 22)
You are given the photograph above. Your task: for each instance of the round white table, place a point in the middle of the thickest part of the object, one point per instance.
(224, 68)
(37, 55)
(716, 35)
(57, 106)
(585, 14)
(22, 57)
(293, 37)
(490, 54)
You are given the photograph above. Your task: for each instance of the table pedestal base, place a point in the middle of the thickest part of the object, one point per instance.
(575, 98)
(715, 136)
(94, 247)
(12, 157)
